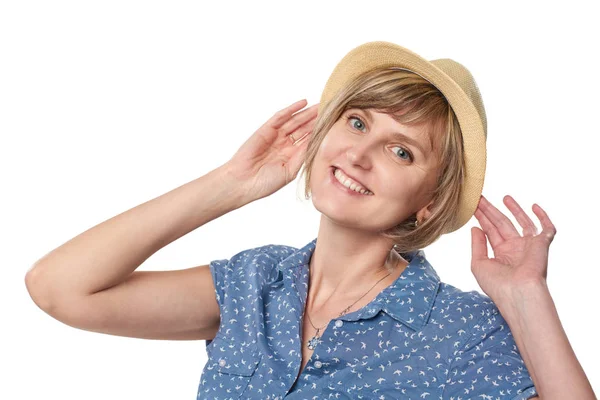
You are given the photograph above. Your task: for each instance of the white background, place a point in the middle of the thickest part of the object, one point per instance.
(106, 105)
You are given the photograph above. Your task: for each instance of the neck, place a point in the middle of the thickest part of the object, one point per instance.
(342, 269)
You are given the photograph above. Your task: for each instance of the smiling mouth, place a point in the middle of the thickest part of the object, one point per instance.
(349, 183)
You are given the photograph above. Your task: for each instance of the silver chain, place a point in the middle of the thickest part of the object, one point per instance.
(312, 342)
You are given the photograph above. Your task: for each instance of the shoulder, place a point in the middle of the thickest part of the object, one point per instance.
(453, 299)
(460, 312)
(257, 266)
(270, 252)
(275, 251)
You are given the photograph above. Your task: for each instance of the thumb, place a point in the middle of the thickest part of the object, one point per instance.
(478, 244)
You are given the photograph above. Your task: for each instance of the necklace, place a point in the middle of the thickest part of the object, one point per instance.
(312, 343)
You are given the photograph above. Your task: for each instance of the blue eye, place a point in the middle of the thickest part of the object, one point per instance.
(404, 151)
(356, 118)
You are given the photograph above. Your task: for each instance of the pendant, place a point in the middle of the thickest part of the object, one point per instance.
(312, 343)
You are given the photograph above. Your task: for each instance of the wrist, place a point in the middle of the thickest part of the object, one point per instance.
(516, 298)
(235, 184)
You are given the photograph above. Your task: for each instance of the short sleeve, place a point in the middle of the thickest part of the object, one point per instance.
(238, 284)
(218, 272)
(488, 364)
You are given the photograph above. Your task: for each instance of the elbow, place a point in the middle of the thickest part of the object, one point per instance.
(35, 288)
(66, 309)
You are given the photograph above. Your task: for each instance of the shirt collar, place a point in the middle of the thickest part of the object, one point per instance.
(408, 300)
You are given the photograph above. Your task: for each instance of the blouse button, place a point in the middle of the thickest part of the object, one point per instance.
(318, 364)
(339, 323)
(222, 363)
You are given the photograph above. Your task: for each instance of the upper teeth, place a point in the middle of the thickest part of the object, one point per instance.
(349, 183)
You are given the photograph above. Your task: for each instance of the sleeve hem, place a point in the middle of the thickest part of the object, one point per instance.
(526, 394)
(219, 277)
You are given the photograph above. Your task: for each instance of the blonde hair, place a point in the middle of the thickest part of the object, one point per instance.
(410, 100)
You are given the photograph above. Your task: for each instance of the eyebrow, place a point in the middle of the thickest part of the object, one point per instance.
(398, 135)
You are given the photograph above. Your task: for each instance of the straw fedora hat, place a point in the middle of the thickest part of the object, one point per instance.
(453, 80)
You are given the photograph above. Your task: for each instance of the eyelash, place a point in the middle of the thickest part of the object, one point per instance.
(349, 117)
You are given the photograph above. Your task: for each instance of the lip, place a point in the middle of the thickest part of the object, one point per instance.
(337, 183)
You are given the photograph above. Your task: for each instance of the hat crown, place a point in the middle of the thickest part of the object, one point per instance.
(463, 78)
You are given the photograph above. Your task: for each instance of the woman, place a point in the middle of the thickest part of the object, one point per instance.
(394, 157)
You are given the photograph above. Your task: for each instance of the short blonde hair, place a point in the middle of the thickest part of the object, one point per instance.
(410, 100)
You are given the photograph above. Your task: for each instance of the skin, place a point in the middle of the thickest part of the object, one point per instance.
(350, 255)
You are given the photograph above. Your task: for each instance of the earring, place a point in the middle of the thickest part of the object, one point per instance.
(416, 223)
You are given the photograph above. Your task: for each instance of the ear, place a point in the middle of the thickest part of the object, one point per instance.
(424, 212)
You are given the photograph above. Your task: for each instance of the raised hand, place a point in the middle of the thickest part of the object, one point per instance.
(518, 260)
(273, 155)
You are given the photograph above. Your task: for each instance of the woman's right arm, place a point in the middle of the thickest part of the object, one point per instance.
(90, 281)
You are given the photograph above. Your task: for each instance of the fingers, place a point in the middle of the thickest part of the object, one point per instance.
(489, 228)
(498, 227)
(282, 116)
(529, 228)
(303, 132)
(298, 158)
(299, 155)
(548, 229)
(478, 244)
(299, 119)
(500, 222)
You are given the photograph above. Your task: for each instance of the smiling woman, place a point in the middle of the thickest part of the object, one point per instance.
(417, 141)
(394, 157)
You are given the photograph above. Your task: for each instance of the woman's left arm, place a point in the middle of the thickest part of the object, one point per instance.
(515, 280)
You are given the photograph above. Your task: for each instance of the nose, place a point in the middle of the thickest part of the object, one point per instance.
(360, 152)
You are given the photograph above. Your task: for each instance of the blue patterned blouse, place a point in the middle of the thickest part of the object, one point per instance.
(418, 339)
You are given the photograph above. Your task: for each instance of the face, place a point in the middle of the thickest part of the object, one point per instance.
(369, 150)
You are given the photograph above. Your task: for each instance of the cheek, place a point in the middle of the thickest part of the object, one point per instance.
(405, 190)
(325, 144)
(330, 146)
